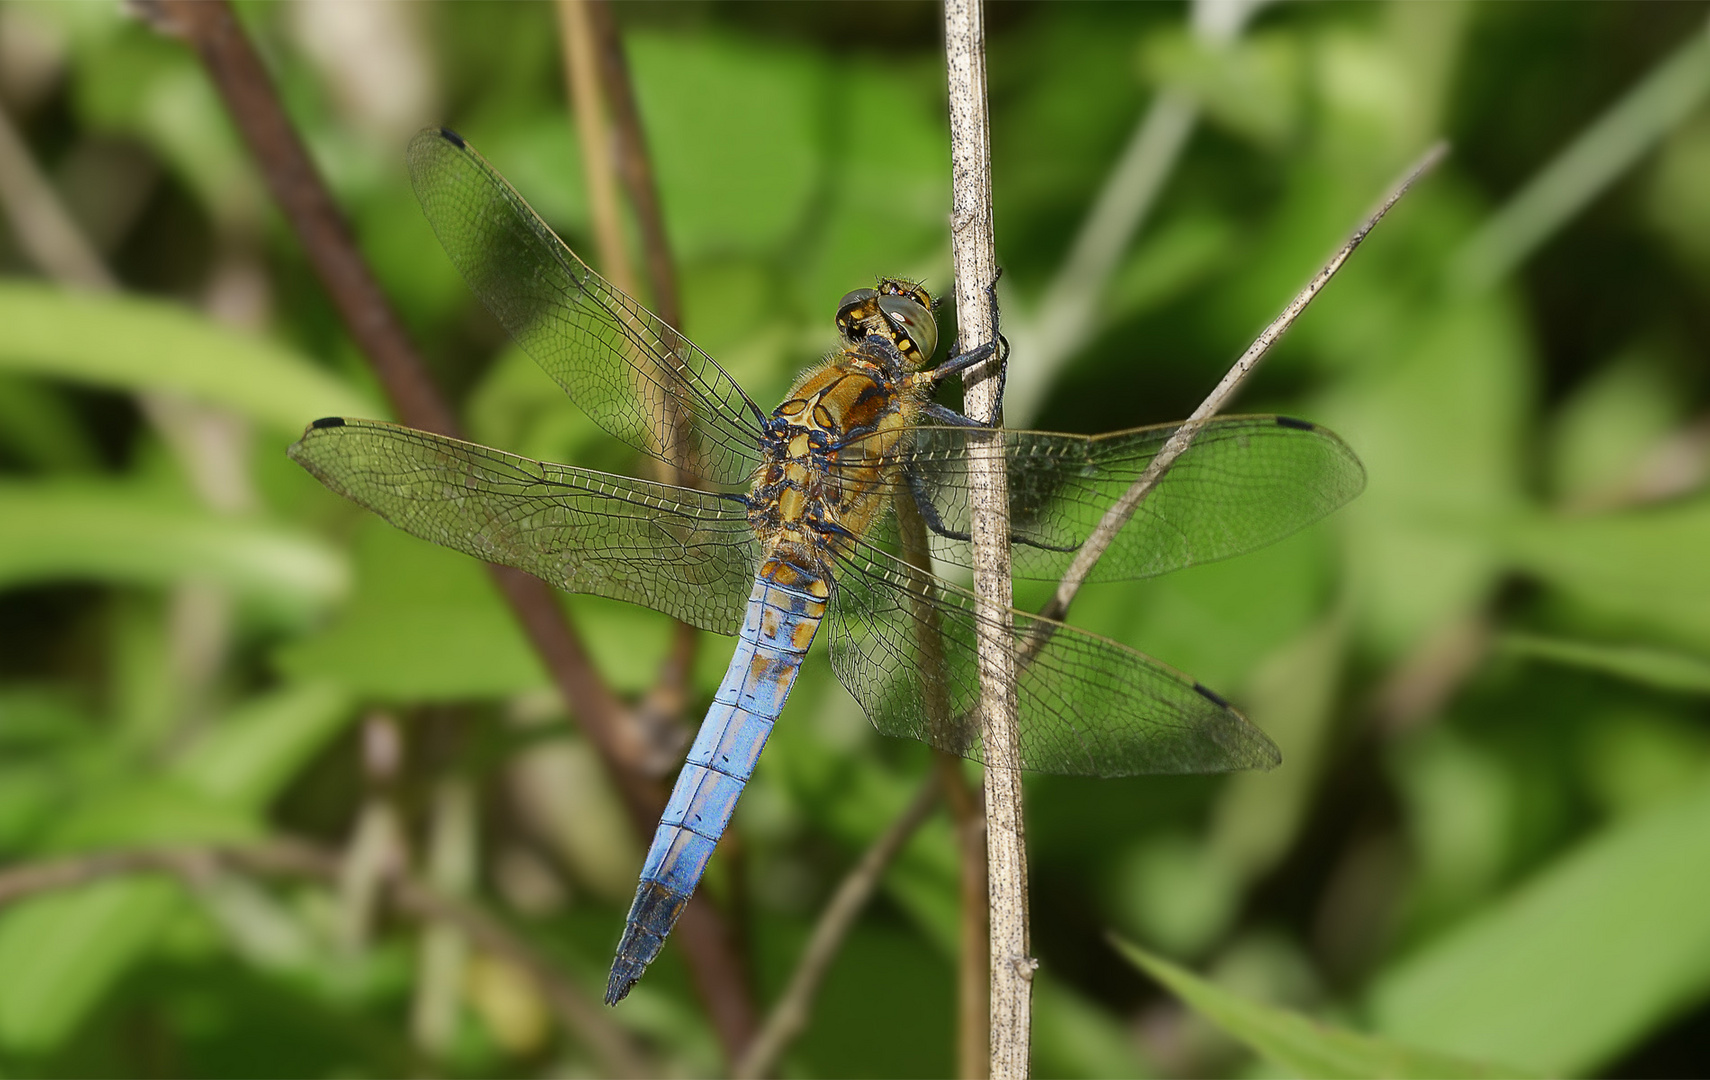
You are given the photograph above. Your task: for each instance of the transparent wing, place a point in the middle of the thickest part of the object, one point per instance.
(902, 642)
(1244, 482)
(689, 554)
(634, 375)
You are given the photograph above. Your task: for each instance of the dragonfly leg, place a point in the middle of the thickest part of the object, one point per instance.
(929, 512)
(960, 361)
(932, 412)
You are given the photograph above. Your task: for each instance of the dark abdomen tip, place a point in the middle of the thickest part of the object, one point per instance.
(624, 976)
(651, 917)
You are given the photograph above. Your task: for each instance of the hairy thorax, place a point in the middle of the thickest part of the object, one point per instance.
(834, 457)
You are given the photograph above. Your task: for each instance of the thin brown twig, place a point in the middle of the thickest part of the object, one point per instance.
(1123, 509)
(634, 164)
(626, 155)
(789, 1016)
(213, 31)
(599, 169)
(286, 857)
(973, 959)
(975, 261)
(600, 85)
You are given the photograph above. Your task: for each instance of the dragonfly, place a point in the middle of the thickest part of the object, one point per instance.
(794, 524)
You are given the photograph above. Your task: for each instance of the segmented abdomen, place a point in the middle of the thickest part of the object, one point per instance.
(784, 611)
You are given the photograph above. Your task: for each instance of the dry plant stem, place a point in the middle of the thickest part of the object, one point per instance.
(45, 231)
(599, 84)
(212, 30)
(635, 167)
(609, 1043)
(971, 238)
(1117, 516)
(581, 70)
(973, 982)
(794, 1007)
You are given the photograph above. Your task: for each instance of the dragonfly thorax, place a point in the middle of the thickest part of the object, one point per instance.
(833, 448)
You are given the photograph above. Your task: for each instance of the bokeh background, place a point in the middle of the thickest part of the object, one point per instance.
(1490, 676)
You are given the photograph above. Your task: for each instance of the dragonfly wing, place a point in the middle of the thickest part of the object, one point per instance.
(689, 554)
(636, 376)
(903, 643)
(1244, 482)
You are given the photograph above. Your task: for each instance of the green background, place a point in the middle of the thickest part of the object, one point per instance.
(1489, 846)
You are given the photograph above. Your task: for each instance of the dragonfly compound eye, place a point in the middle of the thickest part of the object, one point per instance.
(857, 314)
(912, 327)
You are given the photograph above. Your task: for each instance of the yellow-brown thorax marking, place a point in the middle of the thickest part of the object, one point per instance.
(835, 457)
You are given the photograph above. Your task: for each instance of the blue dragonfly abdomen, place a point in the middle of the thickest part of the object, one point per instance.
(783, 613)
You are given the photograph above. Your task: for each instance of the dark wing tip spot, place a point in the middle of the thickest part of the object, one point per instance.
(453, 138)
(1298, 425)
(1211, 695)
(328, 421)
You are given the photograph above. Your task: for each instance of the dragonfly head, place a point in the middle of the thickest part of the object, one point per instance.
(899, 311)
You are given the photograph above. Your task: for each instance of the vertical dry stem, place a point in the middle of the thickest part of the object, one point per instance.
(971, 237)
(581, 71)
(967, 816)
(614, 151)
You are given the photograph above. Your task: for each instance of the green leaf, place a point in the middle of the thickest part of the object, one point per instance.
(119, 533)
(38, 426)
(1603, 433)
(1255, 86)
(1439, 427)
(62, 952)
(130, 344)
(1305, 1046)
(425, 624)
(1644, 567)
(690, 87)
(251, 754)
(1653, 667)
(149, 810)
(1073, 1036)
(1576, 966)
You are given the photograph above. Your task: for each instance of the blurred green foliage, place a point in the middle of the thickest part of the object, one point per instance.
(1490, 676)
